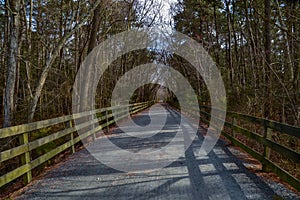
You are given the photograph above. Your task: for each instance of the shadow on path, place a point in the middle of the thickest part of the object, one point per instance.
(219, 175)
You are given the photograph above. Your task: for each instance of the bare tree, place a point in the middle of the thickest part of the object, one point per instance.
(12, 61)
(51, 58)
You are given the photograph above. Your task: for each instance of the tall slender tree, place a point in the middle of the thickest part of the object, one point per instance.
(12, 60)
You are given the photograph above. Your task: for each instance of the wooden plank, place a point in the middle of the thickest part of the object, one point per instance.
(107, 125)
(277, 126)
(25, 158)
(92, 112)
(61, 148)
(234, 123)
(87, 134)
(134, 110)
(238, 143)
(11, 153)
(87, 113)
(239, 115)
(113, 120)
(284, 175)
(71, 137)
(44, 140)
(82, 136)
(267, 150)
(124, 106)
(17, 130)
(16, 151)
(248, 133)
(117, 113)
(25, 148)
(72, 142)
(286, 152)
(12, 175)
(291, 154)
(284, 128)
(139, 108)
(40, 160)
(39, 142)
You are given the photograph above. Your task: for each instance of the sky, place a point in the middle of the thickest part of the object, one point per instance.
(163, 11)
(166, 10)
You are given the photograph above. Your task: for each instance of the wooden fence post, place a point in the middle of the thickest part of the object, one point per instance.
(208, 117)
(25, 159)
(70, 125)
(107, 126)
(234, 123)
(94, 134)
(93, 126)
(200, 113)
(267, 151)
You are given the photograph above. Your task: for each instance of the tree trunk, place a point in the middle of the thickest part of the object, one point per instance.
(94, 29)
(14, 21)
(229, 53)
(51, 58)
(267, 34)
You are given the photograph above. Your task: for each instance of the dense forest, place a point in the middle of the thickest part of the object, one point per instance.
(255, 43)
(256, 46)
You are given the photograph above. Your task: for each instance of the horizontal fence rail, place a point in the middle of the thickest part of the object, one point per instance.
(265, 139)
(103, 119)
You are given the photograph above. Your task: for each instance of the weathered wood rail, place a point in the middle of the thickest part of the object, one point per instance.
(105, 118)
(26, 146)
(232, 129)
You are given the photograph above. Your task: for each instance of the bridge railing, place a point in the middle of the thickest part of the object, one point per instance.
(26, 146)
(233, 128)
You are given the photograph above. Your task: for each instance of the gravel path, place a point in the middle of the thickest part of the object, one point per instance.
(220, 175)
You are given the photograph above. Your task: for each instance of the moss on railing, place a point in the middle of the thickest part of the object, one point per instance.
(35, 137)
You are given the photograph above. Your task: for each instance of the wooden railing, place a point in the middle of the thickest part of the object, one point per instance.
(26, 146)
(232, 129)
